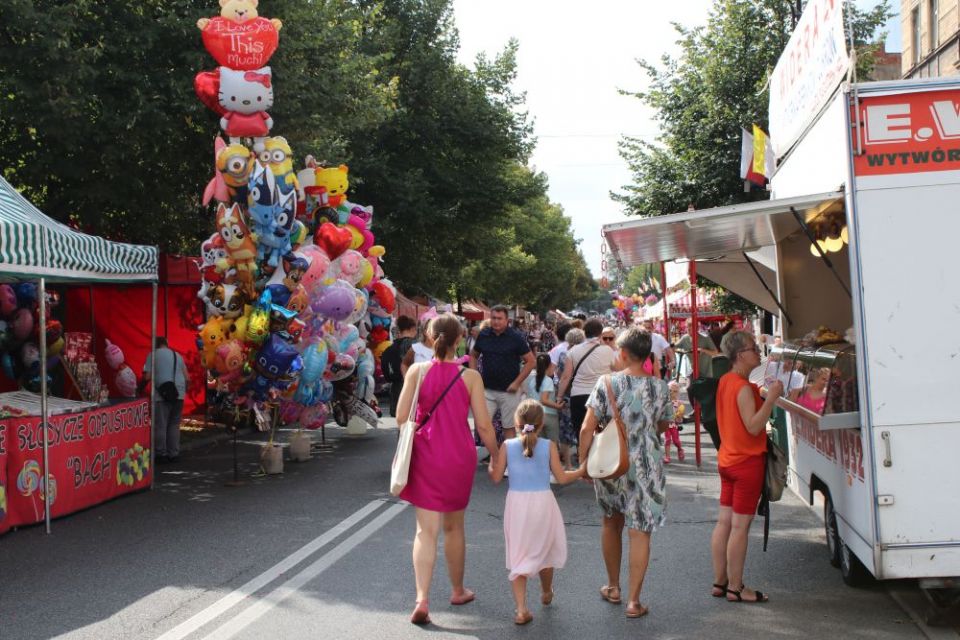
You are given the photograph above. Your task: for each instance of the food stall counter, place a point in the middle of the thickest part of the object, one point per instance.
(819, 382)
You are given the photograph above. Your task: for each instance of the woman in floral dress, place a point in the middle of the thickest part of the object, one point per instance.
(638, 498)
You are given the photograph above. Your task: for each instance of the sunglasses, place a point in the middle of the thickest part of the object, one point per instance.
(608, 338)
(754, 348)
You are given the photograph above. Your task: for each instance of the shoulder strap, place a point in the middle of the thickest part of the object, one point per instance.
(612, 402)
(580, 362)
(416, 392)
(437, 403)
(173, 376)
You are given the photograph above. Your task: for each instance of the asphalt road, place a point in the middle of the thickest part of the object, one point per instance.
(324, 551)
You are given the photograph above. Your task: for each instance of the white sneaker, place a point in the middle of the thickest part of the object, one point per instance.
(552, 479)
(506, 473)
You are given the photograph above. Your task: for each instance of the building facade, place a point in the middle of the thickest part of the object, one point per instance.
(887, 65)
(931, 38)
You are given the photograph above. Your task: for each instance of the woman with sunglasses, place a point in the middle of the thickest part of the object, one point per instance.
(742, 416)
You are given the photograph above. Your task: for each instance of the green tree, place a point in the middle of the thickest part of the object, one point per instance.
(101, 127)
(439, 170)
(703, 97)
(643, 279)
(531, 257)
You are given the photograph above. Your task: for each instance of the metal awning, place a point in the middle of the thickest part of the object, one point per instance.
(713, 233)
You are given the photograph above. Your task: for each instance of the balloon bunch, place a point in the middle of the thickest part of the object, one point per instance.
(20, 333)
(295, 294)
(627, 306)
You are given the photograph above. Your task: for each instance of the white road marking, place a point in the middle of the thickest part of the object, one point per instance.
(290, 587)
(226, 603)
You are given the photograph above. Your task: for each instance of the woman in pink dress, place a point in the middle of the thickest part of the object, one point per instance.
(814, 396)
(444, 459)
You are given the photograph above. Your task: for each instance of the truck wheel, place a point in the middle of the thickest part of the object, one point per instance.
(830, 528)
(852, 571)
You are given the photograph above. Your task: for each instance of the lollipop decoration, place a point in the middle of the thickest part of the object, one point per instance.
(133, 466)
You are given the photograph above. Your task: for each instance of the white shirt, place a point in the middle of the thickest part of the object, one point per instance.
(421, 352)
(557, 352)
(599, 363)
(658, 344)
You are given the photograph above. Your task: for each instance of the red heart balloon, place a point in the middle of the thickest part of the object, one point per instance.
(207, 86)
(243, 46)
(332, 239)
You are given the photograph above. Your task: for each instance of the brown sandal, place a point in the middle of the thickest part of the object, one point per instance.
(611, 594)
(636, 610)
(546, 598)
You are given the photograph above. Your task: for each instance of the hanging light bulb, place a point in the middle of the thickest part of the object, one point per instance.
(813, 251)
(823, 246)
(844, 236)
(833, 243)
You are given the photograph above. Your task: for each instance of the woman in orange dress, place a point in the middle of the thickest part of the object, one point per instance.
(742, 416)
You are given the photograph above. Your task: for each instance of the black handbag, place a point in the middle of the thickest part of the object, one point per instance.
(168, 390)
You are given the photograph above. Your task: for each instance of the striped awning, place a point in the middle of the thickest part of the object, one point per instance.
(33, 246)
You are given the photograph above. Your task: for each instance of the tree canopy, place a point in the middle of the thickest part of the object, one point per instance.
(101, 129)
(716, 85)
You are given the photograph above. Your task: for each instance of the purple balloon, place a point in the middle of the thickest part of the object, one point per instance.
(337, 301)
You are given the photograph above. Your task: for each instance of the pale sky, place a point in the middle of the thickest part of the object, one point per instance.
(573, 58)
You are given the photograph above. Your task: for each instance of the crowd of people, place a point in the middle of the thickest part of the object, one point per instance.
(537, 399)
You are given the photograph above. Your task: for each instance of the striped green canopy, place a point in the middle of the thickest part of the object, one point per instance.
(34, 246)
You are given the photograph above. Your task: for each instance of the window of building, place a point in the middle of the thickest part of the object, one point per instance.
(915, 34)
(934, 17)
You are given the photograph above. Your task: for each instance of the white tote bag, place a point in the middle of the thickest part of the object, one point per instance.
(400, 469)
(607, 458)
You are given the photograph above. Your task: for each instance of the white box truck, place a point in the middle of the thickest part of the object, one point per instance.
(875, 181)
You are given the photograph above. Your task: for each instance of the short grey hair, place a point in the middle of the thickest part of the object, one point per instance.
(735, 342)
(635, 342)
(575, 336)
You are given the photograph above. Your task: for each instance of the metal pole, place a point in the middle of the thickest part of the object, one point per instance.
(153, 384)
(93, 320)
(43, 404)
(666, 315)
(695, 362)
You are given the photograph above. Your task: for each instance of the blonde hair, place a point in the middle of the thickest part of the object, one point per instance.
(529, 412)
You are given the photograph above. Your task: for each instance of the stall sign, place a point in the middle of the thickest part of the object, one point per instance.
(94, 456)
(810, 68)
(4, 493)
(839, 446)
(909, 133)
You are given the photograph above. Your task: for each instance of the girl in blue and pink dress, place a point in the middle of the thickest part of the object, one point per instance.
(536, 542)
